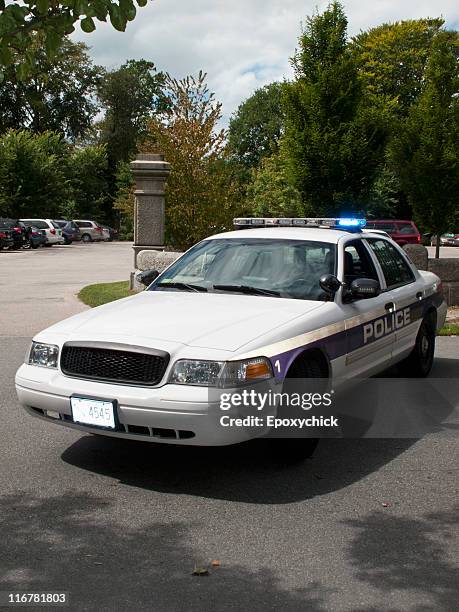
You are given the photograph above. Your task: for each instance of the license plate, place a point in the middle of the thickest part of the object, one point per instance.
(94, 412)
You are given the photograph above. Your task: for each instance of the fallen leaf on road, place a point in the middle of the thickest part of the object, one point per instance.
(200, 571)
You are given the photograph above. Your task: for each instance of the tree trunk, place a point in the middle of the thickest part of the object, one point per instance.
(437, 247)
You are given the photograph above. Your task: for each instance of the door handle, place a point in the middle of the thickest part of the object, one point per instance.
(390, 306)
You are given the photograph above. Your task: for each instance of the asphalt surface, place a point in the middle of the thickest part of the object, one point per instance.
(365, 525)
(445, 251)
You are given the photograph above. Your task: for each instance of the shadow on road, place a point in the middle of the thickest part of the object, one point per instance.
(69, 543)
(237, 473)
(408, 554)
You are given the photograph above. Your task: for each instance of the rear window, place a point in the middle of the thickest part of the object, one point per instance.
(7, 223)
(406, 228)
(36, 223)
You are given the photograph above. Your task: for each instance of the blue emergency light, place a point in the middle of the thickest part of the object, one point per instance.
(351, 222)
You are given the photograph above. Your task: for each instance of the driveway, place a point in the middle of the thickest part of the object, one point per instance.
(365, 525)
(40, 287)
(444, 251)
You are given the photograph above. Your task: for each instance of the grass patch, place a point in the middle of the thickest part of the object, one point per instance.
(96, 295)
(450, 329)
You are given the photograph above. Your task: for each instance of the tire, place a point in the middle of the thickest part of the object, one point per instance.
(86, 238)
(33, 246)
(291, 451)
(419, 362)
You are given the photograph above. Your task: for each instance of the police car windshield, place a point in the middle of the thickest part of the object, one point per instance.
(284, 268)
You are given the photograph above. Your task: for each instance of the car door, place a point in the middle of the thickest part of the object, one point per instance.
(369, 346)
(403, 291)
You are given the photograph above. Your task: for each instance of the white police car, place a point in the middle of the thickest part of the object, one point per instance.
(275, 299)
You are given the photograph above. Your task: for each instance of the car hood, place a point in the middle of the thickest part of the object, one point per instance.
(210, 320)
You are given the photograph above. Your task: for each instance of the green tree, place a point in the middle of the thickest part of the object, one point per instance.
(32, 177)
(392, 58)
(199, 194)
(21, 19)
(124, 200)
(271, 194)
(333, 142)
(58, 95)
(87, 172)
(130, 95)
(425, 151)
(256, 126)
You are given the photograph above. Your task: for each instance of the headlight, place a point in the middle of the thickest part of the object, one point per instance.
(220, 373)
(45, 355)
(194, 372)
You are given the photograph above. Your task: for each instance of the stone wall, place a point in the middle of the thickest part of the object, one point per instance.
(153, 260)
(447, 268)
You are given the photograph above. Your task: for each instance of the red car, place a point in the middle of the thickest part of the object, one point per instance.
(401, 232)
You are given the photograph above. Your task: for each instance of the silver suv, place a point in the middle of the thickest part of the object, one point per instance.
(90, 230)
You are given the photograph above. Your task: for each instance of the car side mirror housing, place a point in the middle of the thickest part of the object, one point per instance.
(147, 277)
(365, 288)
(329, 283)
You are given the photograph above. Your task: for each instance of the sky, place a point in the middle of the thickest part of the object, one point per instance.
(240, 44)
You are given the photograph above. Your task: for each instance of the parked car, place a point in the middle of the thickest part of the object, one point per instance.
(90, 230)
(448, 239)
(401, 232)
(52, 230)
(34, 237)
(110, 233)
(15, 230)
(6, 235)
(70, 230)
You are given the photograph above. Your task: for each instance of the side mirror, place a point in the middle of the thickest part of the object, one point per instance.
(365, 288)
(147, 277)
(329, 283)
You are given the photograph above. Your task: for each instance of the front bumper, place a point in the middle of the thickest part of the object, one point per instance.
(173, 414)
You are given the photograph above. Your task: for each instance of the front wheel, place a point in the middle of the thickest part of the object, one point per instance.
(419, 362)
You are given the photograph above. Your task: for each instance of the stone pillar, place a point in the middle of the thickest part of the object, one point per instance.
(150, 175)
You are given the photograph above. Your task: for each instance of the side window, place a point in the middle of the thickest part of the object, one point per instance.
(395, 269)
(357, 262)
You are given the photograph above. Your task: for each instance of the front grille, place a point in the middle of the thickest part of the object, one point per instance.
(109, 362)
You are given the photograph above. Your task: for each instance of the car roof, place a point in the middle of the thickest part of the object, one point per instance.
(293, 233)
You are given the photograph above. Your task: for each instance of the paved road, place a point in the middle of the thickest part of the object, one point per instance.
(40, 287)
(366, 525)
(444, 251)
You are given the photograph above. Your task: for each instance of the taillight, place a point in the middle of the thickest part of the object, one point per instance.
(418, 238)
(99, 229)
(18, 230)
(52, 231)
(2, 235)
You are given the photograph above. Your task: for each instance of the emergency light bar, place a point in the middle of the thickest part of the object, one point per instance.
(349, 224)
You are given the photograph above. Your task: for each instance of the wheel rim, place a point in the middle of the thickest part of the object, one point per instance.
(425, 346)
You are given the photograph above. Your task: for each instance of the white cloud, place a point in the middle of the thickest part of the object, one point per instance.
(241, 44)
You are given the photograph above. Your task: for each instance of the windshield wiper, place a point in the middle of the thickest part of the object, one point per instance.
(185, 286)
(247, 289)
